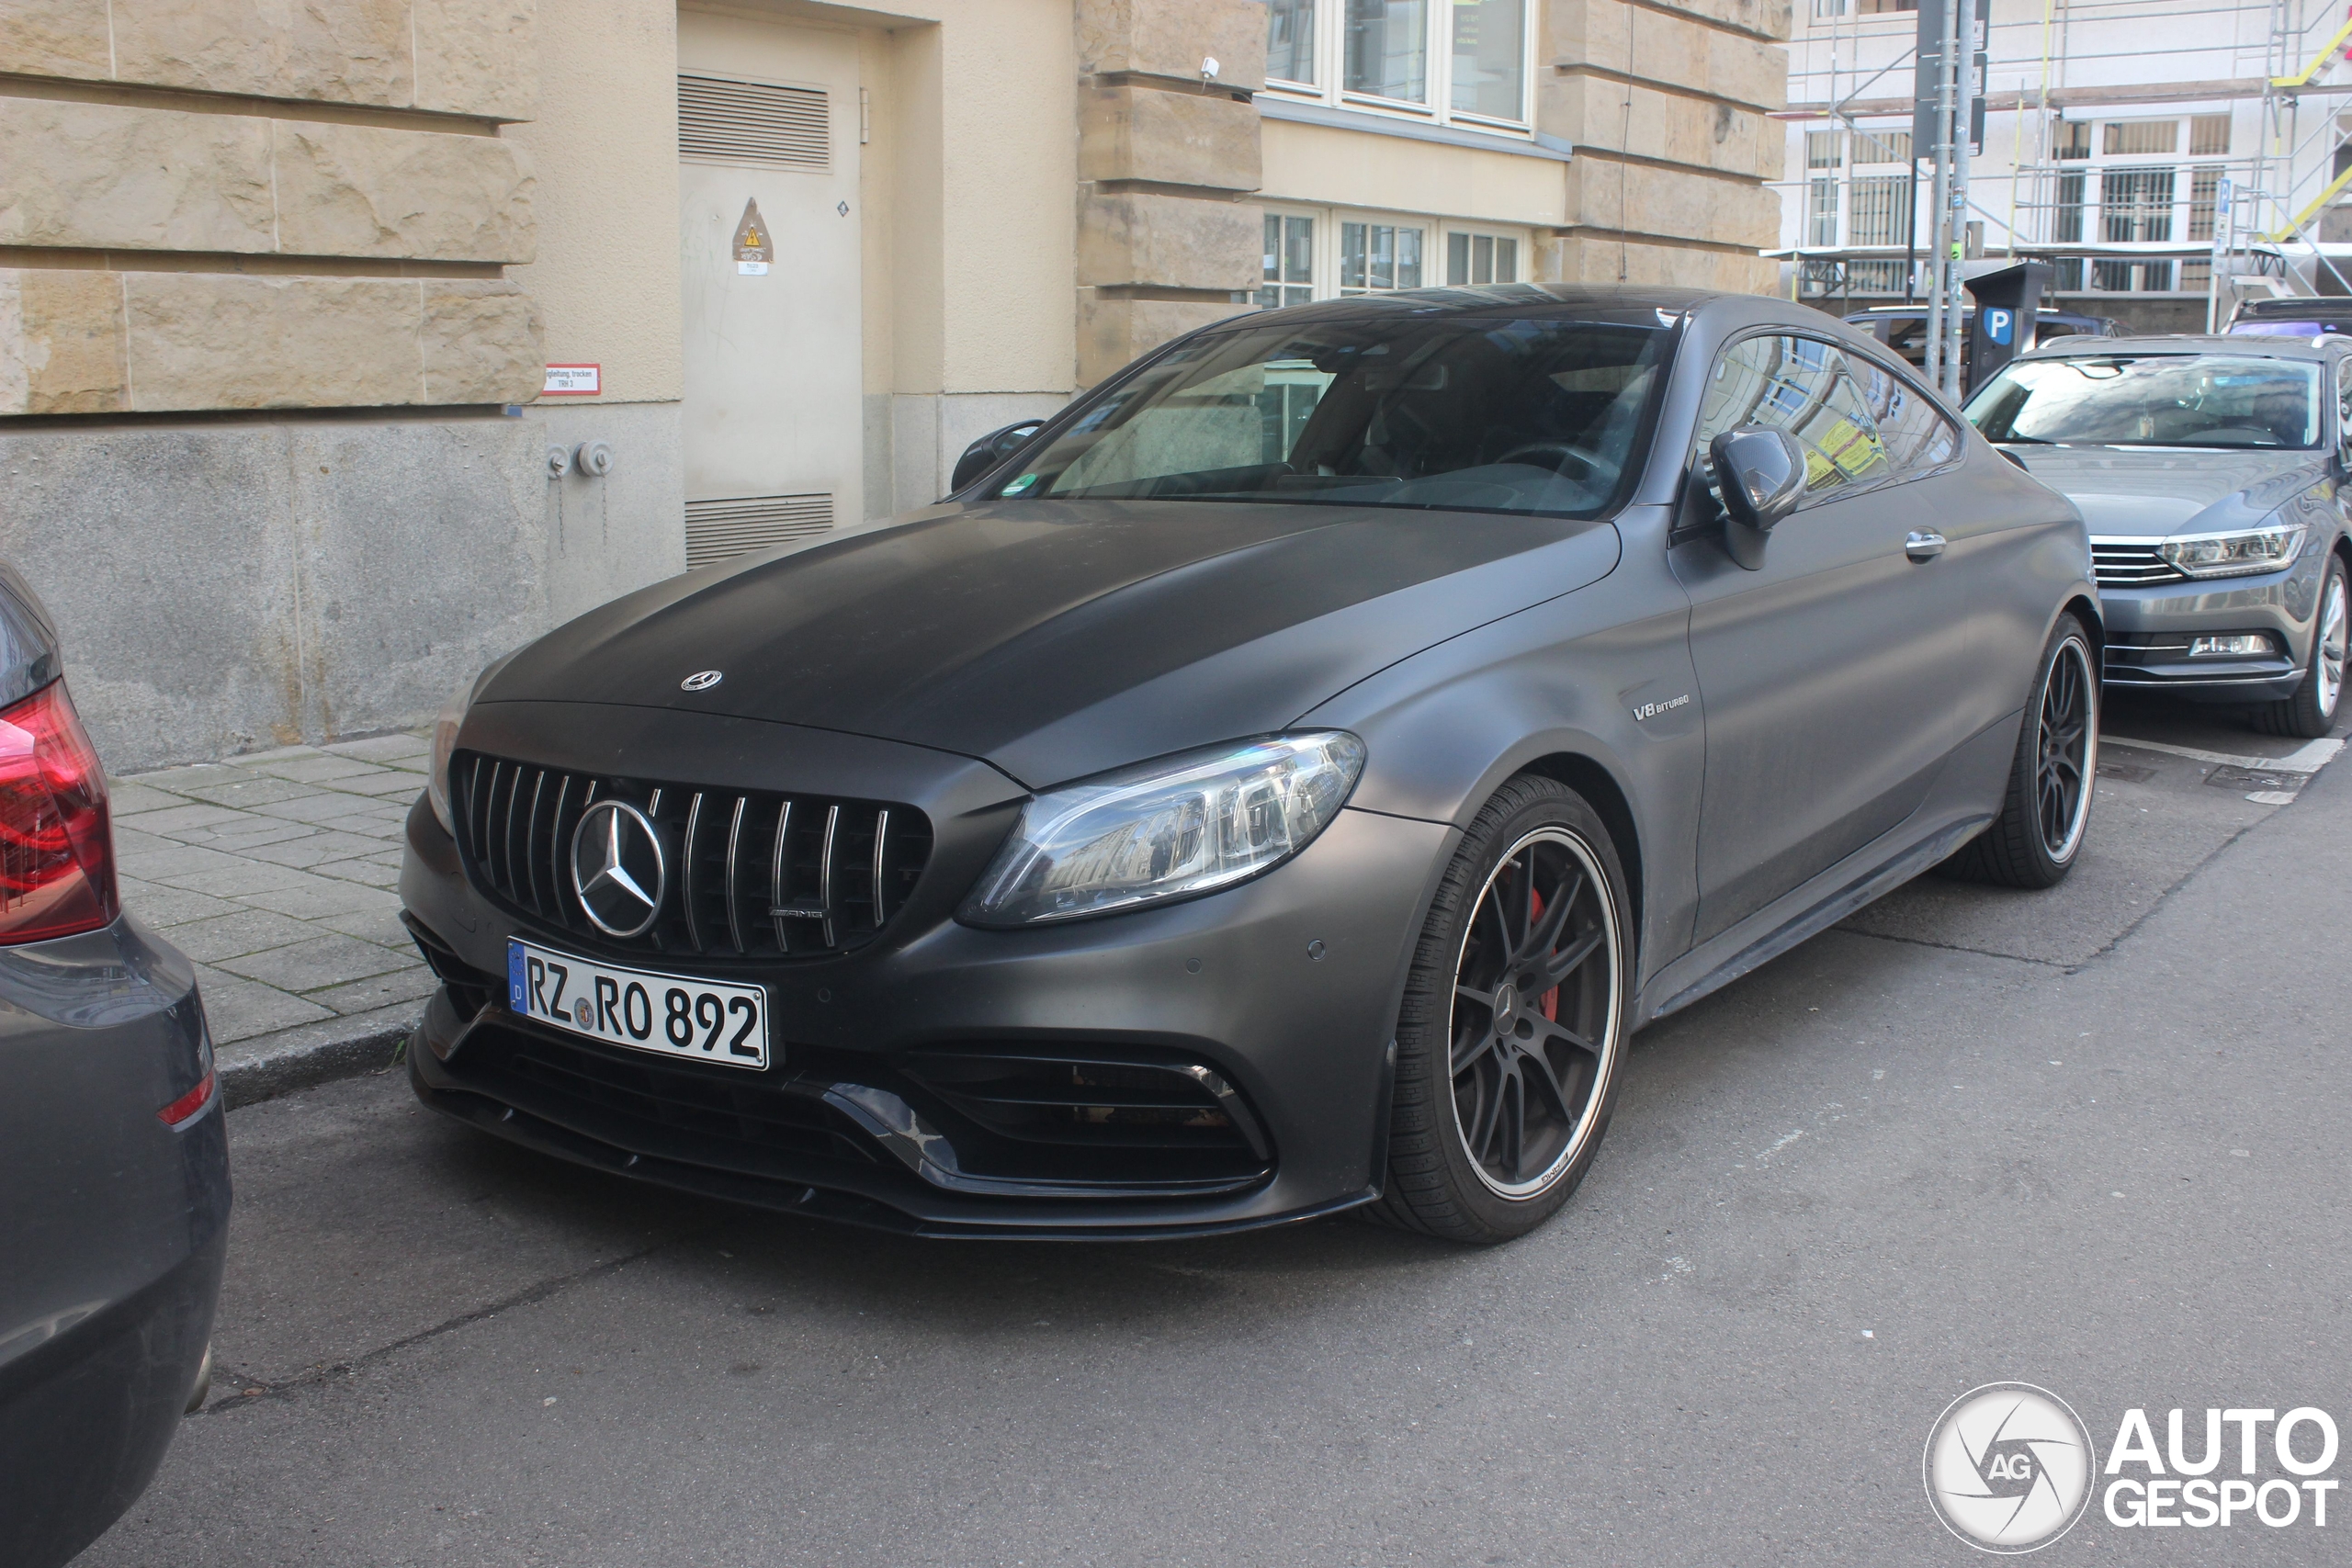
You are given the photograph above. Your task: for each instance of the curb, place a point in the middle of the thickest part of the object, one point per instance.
(268, 1065)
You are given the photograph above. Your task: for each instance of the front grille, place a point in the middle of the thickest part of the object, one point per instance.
(2118, 565)
(750, 875)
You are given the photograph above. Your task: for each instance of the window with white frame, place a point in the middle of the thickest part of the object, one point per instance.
(1473, 259)
(2108, 191)
(1450, 61)
(1331, 253)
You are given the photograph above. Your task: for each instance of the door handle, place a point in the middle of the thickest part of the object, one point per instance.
(1921, 545)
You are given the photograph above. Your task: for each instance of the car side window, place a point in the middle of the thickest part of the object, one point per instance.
(1917, 436)
(1805, 387)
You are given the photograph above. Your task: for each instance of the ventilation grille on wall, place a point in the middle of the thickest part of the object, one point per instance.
(721, 530)
(725, 121)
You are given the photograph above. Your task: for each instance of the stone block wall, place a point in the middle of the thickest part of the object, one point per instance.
(1166, 237)
(1667, 103)
(255, 341)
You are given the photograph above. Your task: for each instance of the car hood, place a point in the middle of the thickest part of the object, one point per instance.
(1056, 640)
(2150, 492)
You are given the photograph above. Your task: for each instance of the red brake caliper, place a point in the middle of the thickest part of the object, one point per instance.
(1551, 1002)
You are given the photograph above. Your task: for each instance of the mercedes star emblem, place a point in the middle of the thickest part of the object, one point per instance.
(701, 681)
(617, 868)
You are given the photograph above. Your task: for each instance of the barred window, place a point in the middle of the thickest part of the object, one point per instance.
(1881, 211)
(1821, 149)
(2209, 135)
(2135, 204)
(2204, 202)
(1882, 147)
(2138, 138)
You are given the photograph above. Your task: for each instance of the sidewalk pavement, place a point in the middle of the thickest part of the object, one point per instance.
(275, 873)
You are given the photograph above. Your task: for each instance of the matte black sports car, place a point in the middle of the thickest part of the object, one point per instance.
(2212, 472)
(1279, 785)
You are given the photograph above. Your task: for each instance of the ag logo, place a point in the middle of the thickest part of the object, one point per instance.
(2008, 1467)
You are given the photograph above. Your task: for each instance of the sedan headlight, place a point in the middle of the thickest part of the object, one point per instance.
(1173, 828)
(2237, 554)
(445, 740)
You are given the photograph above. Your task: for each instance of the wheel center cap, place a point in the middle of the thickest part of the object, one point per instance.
(1506, 1008)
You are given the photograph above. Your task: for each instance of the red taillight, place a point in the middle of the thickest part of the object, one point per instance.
(56, 843)
(191, 1103)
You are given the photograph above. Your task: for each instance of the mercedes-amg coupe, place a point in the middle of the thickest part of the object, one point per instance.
(1278, 783)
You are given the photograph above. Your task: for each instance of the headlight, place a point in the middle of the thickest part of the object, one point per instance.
(2235, 555)
(1182, 825)
(445, 740)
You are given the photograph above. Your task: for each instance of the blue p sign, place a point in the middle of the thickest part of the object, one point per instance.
(2000, 326)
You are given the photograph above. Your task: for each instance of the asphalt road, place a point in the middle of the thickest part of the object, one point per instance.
(2092, 1140)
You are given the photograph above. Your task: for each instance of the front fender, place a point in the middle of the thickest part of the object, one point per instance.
(1555, 689)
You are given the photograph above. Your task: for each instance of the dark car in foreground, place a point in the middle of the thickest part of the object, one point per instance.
(1281, 785)
(2211, 472)
(113, 1158)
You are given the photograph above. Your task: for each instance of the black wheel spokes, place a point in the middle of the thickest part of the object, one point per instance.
(1531, 1003)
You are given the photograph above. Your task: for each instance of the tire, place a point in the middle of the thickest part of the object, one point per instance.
(2046, 810)
(1528, 1083)
(2311, 712)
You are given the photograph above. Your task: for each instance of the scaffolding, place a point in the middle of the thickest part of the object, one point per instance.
(2220, 221)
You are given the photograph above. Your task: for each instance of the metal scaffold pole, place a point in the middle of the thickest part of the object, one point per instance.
(1940, 295)
(1959, 68)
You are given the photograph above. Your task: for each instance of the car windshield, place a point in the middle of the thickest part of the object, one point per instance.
(1489, 413)
(2279, 326)
(2152, 400)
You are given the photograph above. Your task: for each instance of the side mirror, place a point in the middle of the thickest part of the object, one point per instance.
(990, 450)
(1759, 471)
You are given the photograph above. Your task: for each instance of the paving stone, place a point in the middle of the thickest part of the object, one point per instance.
(315, 962)
(131, 841)
(247, 793)
(239, 878)
(179, 817)
(403, 783)
(374, 874)
(165, 908)
(249, 833)
(178, 779)
(238, 1009)
(311, 851)
(413, 983)
(379, 926)
(317, 896)
(242, 932)
(323, 807)
(390, 748)
(312, 767)
(171, 862)
(127, 799)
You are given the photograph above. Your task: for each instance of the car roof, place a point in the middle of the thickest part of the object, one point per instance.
(1519, 299)
(1871, 312)
(2301, 310)
(2240, 346)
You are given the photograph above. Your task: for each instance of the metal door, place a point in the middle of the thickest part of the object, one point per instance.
(768, 153)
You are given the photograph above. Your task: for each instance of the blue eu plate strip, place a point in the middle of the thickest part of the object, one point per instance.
(517, 997)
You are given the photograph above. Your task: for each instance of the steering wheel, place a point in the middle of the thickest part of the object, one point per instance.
(1596, 467)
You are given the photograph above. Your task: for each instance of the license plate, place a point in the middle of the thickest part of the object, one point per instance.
(672, 1015)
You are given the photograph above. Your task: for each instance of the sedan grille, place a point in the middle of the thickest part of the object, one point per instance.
(2117, 564)
(749, 874)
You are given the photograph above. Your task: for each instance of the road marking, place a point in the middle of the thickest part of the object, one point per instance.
(2310, 759)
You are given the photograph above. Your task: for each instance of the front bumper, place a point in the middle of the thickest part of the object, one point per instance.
(2150, 630)
(1280, 995)
(113, 1233)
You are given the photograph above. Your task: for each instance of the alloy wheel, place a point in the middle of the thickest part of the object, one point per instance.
(2331, 646)
(1534, 1019)
(2069, 744)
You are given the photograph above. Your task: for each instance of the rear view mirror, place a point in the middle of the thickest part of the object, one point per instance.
(1760, 473)
(990, 450)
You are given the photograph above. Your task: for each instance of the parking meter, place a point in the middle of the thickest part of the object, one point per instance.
(2009, 308)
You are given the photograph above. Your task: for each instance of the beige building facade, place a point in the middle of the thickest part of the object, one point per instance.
(345, 347)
